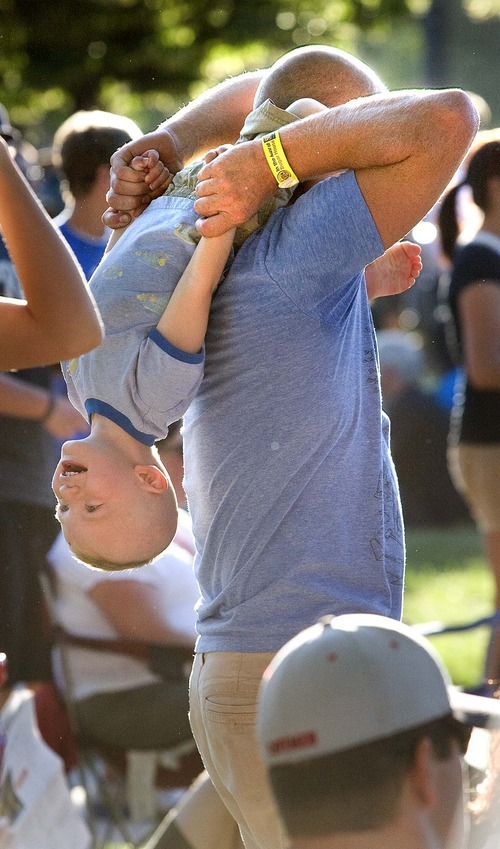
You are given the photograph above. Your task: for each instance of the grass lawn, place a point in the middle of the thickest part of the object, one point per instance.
(448, 580)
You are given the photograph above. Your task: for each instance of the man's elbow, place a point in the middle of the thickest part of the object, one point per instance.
(458, 121)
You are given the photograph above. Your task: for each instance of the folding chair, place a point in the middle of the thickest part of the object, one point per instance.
(119, 779)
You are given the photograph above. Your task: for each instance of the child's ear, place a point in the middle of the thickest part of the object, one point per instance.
(152, 478)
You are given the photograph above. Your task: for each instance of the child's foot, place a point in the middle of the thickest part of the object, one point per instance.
(395, 271)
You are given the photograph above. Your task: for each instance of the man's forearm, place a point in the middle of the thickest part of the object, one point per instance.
(377, 131)
(215, 117)
(404, 147)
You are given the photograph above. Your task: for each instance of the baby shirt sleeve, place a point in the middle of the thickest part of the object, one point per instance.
(167, 378)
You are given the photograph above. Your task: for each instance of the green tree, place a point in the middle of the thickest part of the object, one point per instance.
(147, 56)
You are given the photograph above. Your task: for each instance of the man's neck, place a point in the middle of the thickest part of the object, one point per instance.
(394, 836)
(86, 217)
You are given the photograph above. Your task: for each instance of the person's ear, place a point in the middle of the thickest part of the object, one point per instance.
(101, 175)
(422, 774)
(152, 478)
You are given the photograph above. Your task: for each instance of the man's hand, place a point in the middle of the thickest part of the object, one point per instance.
(232, 187)
(131, 190)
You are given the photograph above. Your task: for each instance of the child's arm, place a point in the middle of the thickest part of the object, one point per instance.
(184, 322)
(115, 235)
(58, 319)
(395, 271)
(149, 163)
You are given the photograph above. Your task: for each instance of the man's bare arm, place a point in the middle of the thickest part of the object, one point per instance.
(212, 119)
(404, 147)
(20, 399)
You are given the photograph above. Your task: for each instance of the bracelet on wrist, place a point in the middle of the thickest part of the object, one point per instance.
(49, 409)
(277, 161)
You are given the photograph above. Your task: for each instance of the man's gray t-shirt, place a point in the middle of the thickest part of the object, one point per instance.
(289, 478)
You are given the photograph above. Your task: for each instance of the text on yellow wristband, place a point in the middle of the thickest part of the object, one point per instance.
(277, 161)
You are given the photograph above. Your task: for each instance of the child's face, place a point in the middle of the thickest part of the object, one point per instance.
(105, 510)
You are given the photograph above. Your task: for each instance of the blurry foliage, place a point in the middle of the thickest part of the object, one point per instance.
(147, 57)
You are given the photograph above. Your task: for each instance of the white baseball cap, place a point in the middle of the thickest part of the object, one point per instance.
(353, 679)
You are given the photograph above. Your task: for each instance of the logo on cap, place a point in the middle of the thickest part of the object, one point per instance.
(290, 744)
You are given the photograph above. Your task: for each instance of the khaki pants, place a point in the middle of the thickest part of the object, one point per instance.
(223, 703)
(475, 472)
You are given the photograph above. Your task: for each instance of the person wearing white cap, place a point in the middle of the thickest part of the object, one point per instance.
(363, 737)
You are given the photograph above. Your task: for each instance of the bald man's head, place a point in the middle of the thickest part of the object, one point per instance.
(331, 76)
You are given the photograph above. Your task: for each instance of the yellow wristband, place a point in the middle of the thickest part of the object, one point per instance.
(278, 162)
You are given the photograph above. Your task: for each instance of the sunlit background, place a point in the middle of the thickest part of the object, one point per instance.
(144, 58)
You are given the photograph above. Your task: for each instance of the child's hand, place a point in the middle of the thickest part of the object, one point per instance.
(395, 271)
(212, 154)
(156, 177)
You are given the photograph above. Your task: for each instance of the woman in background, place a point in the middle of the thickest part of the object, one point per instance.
(474, 300)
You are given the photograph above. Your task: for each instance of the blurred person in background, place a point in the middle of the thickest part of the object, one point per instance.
(118, 698)
(474, 332)
(419, 434)
(364, 737)
(30, 416)
(81, 150)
